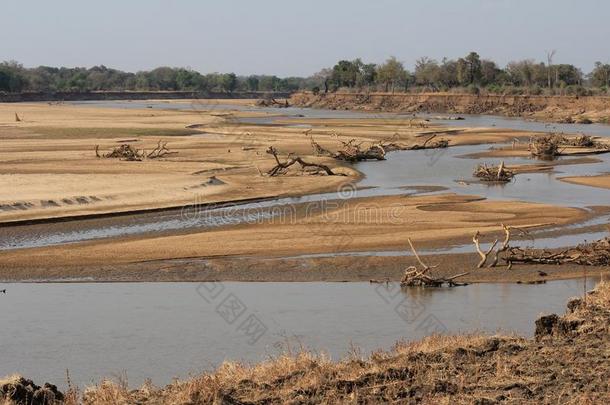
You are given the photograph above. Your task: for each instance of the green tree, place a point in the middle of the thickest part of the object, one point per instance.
(392, 74)
(252, 83)
(345, 73)
(600, 76)
(229, 82)
(427, 72)
(469, 69)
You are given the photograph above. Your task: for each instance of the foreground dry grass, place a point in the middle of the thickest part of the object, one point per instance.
(568, 362)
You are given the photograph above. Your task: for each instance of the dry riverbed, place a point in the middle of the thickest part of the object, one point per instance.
(50, 172)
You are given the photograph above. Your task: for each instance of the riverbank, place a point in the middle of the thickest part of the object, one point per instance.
(567, 361)
(566, 109)
(61, 96)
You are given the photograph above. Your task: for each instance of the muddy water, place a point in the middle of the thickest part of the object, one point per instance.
(160, 331)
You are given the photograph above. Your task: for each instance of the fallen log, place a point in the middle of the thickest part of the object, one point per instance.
(282, 167)
(439, 144)
(351, 151)
(587, 254)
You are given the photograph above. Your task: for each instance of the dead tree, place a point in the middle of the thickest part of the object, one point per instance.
(159, 151)
(282, 167)
(498, 174)
(415, 277)
(484, 255)
(505, 246)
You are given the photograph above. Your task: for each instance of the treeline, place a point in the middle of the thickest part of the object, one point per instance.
(14, 78)
(469, 73)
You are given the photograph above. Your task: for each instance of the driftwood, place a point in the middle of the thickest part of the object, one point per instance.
(546, 147)
(551, 145)
(160, 151)
(587, 254)
(438, 144)
(129, 153)
(351, 151)
(504, 247)
(498, 173)
(415, 277)
(484, 255)
(282, 167)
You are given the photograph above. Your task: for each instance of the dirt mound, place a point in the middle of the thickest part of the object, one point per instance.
(18, 390)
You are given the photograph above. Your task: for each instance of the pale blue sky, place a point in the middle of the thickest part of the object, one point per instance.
(297, 38)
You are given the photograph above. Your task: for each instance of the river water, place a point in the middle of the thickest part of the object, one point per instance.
(165, 330)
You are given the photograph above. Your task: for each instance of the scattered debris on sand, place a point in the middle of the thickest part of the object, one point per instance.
(494, 174)
(129, 153)
(415, 277)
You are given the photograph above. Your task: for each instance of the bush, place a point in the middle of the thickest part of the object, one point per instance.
(316, 91)
(495, 89)
(473, 89)
(576, 90)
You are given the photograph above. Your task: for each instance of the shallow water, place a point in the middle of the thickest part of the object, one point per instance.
(161, 331)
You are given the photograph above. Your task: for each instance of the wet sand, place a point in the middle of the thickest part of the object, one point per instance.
(601, 181)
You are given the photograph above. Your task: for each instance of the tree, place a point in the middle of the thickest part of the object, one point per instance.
(549, 60)
(391, 74)
(252, 83)
(469, 69)
(368, 75)
(490, 73)
(229, 82)
(427, 72)
(345, 73)
(567, 75)
(12, 77)
(600, 76)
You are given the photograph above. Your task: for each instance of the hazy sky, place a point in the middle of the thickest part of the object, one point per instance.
(297, 38)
